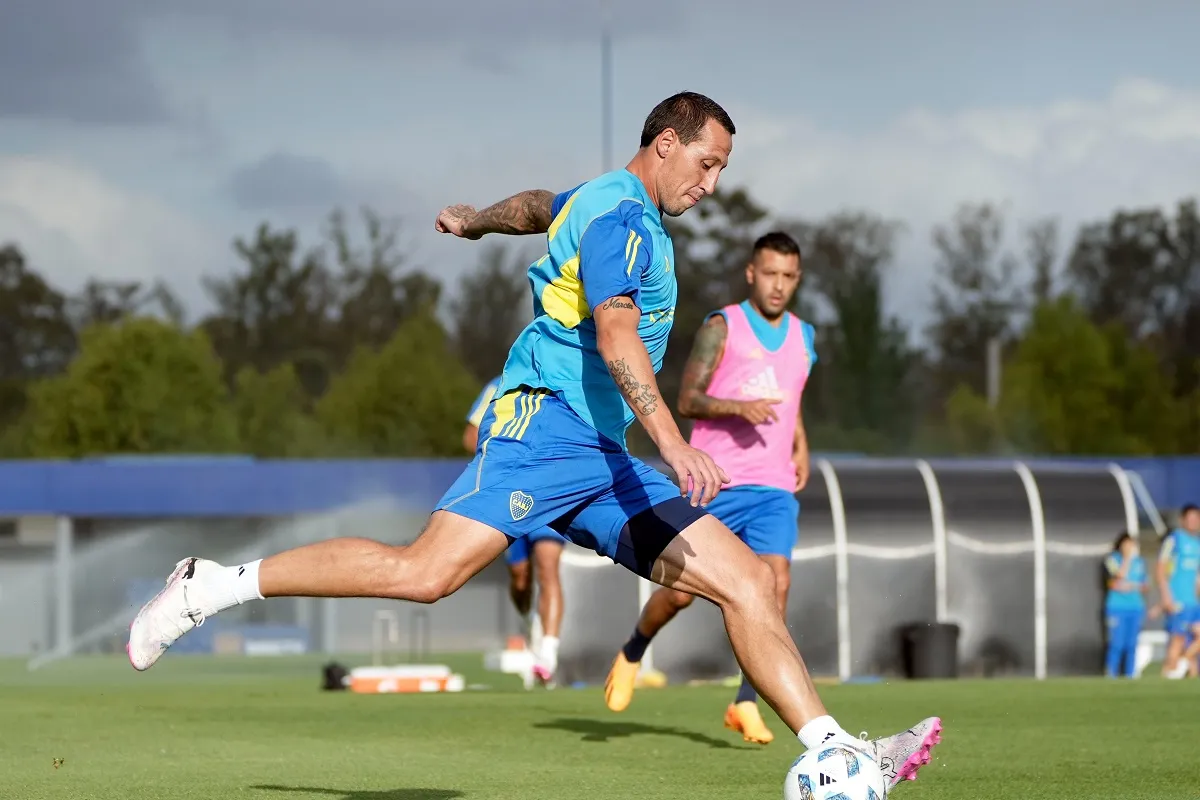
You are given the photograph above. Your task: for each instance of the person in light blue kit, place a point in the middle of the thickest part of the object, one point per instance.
(546, 546)
(1125, 605)
(553, 448)
(1178, 572)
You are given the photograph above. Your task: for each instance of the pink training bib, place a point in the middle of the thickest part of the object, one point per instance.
(757, 455)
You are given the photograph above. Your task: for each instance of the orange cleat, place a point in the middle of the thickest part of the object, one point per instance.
(618, 687)
(745, 719)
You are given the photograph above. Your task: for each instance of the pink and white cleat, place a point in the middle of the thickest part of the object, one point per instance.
(900, 756)
(181, 606)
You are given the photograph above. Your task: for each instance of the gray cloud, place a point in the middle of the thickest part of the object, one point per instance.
(74, 60)
(388, 21)
(286, 182)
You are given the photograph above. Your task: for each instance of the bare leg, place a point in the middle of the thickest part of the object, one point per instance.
(520, 587)
(1175, 647)
(547, 554)
(450, 551)
(781, 569)
(707, 560)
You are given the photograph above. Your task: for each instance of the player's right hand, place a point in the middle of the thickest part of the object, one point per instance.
(698, 475)
(454, 220)
(756, 412)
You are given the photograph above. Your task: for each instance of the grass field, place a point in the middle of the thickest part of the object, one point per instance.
(211, 728)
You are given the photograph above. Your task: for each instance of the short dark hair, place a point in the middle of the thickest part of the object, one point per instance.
(776, 242)
(685, 113)
(1188, 508)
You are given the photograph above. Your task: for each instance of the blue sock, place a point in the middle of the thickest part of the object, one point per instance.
(746, 693)
(635, 648)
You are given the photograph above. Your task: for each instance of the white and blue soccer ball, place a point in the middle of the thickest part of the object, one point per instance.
(834, 772)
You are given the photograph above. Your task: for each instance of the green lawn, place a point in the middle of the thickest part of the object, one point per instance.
(260, 729)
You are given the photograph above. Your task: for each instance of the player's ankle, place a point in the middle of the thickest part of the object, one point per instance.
(635, 648)
(232, 586)
(821, 730)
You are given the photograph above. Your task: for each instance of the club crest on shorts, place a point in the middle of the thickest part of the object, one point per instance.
(519, 504)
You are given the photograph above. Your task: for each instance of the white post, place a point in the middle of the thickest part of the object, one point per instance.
(1038, 520)
(1126, 489)
(841, 568)
(937, 513)
(64, 601)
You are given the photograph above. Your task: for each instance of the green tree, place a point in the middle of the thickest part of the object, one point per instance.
(862, 394)
(277, 311)
(492, 307)
(974, 296)
(376, 290)
(270, 415)
(36, 336)
(408, 399)
(138, 386)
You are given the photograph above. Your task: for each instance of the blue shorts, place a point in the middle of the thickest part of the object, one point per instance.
(541, 466)
(766, 519)
(1181, 624)
(520, 549)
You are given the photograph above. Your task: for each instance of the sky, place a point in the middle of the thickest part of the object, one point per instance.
(139, 137)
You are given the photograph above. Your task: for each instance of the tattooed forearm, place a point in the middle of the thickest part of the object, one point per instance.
(640, 395)
(706, 352)
(526, 212)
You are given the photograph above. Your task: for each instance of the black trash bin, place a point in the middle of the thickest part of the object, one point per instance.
(931, 650)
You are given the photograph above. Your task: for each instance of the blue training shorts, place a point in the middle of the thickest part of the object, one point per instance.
(766, 519)
(520, 549)
(542, 466)
(1181, 624)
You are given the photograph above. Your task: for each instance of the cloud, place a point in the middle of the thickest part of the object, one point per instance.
(282, 182)
(1075, 160)
(76, 61)
(72, 225)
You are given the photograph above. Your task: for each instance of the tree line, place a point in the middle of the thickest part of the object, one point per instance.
(347, 348)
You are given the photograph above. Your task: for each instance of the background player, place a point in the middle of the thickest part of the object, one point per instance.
(554, 452)
(1178, 571)
(1124, 605)
(546, 546)
(742, 385)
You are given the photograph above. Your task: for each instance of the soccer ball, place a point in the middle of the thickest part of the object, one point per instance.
(834, 772)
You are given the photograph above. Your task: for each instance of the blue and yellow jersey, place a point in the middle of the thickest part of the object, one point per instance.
(1131, 597)
(1180, 551)
(607, 239)
(475, 416)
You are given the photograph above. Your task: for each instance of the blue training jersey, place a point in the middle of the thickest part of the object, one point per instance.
(479, 407)
(1181, 552)
(1132, 597)
(607, 239)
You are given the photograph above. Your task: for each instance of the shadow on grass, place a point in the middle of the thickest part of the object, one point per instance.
(594, 730)
(363, 794)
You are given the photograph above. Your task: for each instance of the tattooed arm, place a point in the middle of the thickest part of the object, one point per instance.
(694, 400)
(624, 353)
(523, 213)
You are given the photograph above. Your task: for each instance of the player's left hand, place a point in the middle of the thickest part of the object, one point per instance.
(800, 461)
(454, 220)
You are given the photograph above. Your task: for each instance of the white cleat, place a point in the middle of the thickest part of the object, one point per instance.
(179, 607)
(900, 756)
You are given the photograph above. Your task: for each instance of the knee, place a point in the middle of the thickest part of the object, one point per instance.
(755, 587)
(519, 578)
(783, 581)
(679, 600)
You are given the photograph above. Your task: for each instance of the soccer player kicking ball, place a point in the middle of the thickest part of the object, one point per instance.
(742, 385)
(554, 449)
(546, 546)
